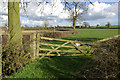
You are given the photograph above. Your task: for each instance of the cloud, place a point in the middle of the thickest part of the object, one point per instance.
(45, 11)
(3, 13)
(35, 12)
(3, 20)
(48, 11)
(56, 15)
(101, 11)
(3, 8)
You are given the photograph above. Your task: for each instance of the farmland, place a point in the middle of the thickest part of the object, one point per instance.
(65, 67)
(59, 39)
(111, 26)
(90, 35)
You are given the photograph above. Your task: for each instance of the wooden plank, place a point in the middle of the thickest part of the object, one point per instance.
(76, 55)
(59, 50)
(81, 51)
(65, 55)
(107, 39)
(55, 45)
(48, 55)
(46, 38)
(55, 49)
(47, 44)
(76, 47)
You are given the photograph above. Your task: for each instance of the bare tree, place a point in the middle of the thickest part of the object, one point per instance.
(5, 24)
(108, 24)
(97, 25)
(26, 25)
(45, 23)
(86, 24)
(76, 9)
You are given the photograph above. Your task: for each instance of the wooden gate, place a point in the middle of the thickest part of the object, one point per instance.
(59, 47)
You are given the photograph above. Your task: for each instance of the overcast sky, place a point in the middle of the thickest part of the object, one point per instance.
(100, 13)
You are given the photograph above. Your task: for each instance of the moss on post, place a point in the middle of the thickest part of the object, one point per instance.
(33, 44)
(15, 34)
(38, 44)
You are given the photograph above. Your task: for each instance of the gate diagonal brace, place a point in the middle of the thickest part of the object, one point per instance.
(77, 48)
(54, 49)
(81, 51)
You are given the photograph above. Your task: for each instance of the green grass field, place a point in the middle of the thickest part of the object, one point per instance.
(65, 67)
(90, 35)
(111, 26)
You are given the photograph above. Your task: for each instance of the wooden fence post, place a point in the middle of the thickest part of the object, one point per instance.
(33, 44)
(37, 44)
(0, 53)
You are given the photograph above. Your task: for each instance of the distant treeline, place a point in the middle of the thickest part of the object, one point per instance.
(43, 28)
(69, 27)
(59, 28)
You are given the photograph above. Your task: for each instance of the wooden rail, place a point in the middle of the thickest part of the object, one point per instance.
(55, 48)
(46, 38)
(47, 44)
(63, 55)
(65, 51)
(107, 39)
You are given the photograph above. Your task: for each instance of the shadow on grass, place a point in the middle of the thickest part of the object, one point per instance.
(55, 67)
(64, 67)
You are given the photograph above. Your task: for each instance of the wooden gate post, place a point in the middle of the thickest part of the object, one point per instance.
(0, 54)
(37, 44)
(33, 44)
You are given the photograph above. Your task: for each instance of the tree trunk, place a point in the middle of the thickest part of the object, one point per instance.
(74, 24)
(15, 34)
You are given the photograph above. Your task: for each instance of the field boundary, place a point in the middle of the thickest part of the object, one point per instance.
(106, 39)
